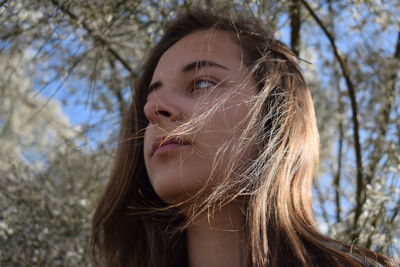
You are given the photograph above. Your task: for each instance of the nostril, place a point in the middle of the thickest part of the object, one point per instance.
(164, 113)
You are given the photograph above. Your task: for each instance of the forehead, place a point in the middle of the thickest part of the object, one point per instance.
(211, 44)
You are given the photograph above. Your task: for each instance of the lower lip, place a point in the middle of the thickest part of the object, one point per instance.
(168, 148)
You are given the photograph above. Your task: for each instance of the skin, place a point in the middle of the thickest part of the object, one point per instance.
(180, 93)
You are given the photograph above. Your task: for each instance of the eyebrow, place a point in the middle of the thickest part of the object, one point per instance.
(191, 67)
(201, 64)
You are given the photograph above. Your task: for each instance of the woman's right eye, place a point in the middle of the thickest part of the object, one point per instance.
(202, 83)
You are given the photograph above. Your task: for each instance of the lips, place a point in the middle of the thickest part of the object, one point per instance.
(163, 141)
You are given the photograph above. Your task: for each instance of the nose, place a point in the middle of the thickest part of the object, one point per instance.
(161, 106)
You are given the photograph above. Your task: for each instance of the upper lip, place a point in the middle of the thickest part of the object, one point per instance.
(164, 140)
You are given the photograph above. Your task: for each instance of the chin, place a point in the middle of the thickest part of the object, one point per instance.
(172, 197)
(174, 191)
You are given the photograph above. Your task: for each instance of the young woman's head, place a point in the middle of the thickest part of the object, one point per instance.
(198, 102)
(221, 113)
(235, 101)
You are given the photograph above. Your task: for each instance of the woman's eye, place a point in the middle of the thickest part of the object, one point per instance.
(203, 84)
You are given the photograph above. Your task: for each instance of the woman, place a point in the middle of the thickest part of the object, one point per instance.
(216, 157)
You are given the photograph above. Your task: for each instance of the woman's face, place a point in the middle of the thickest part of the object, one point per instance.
(190, 78)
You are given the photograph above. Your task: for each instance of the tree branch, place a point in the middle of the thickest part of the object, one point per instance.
(397, 51)
(295, 24)
(384, 115)
(116, 89)
(338, 173)
(96, 37)
(352, 95)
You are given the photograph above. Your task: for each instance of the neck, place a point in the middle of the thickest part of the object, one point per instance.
(217, 240)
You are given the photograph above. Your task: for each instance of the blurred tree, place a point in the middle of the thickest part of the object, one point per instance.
(47, 180)
(86, 52)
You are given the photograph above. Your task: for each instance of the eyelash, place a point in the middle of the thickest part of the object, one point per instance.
(202, 80)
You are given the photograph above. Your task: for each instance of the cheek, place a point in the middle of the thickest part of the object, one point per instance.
(231, 119)
(222, 135)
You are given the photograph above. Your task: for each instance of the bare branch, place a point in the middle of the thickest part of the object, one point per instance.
(116, 88)
(295, 24)
(352, 95)
(397, 51)
(338, 173)
(96, 37)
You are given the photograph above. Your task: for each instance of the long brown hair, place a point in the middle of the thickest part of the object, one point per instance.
(132, 226)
